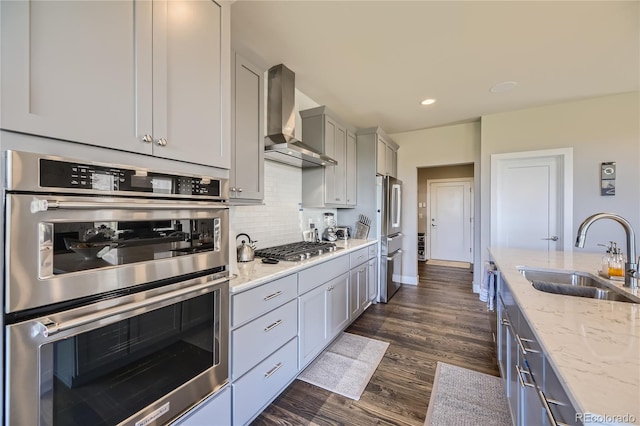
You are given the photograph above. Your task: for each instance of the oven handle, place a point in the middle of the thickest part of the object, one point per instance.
(44, 205)
(46, 327)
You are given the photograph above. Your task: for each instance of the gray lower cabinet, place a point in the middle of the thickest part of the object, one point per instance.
(153, 87)
(264, 329)
(372, 274)
(265, 381)
(338, 305)
(324, 312)
(534, 392)
(279, 327)
(358, 281)
(263, 336)
(246, 177)
(213, 411)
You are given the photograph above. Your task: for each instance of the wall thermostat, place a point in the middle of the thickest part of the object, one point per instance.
(608, 178)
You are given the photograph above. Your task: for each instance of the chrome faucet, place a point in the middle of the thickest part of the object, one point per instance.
(631, 266)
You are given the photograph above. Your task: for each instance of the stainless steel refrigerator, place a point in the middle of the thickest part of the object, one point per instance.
(389, 210)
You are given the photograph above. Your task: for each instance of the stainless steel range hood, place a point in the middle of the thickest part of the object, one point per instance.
(280, 143)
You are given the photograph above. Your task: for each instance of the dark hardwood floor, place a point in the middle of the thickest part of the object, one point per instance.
(441, 319)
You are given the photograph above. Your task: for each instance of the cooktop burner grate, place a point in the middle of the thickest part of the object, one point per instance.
(296, 251)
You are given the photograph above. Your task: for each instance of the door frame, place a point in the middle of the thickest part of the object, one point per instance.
(565, 201)
(471, 213)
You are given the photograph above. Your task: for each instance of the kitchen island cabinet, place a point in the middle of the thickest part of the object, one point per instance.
(589, 349)
(154, 86)
(331, 186)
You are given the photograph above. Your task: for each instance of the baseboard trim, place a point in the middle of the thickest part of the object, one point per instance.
(409, 279)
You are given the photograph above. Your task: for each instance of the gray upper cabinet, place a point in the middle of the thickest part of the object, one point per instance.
(351, 171)
(246, 177)
(136, 76)
(333, 186)
(386, 150)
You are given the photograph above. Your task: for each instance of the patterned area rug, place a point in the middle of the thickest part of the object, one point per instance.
(346, 366)
(462, 397)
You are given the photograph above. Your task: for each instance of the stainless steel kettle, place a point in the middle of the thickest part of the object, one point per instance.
(246, 250)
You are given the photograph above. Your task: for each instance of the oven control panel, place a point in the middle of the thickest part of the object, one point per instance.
(94, 178)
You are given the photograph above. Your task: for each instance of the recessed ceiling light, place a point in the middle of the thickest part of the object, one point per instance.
(428, 101)
(504, 86)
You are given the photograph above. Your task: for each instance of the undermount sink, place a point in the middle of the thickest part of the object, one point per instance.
(578, 284)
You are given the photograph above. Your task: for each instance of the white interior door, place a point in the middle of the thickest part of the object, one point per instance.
(450, 224)
(529, 201)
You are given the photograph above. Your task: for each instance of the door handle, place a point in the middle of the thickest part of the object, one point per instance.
(554, 238)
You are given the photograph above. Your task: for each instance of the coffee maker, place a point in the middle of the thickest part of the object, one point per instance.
(329, 233)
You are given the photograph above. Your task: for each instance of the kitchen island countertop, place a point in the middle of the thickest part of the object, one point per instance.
(593, 345)
(251, 274)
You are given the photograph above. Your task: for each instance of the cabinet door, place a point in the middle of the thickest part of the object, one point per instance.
(330, 130)
(351, 170)
(187, 85)
(353, 293)
(68, 74)
(313, 318)
(247, 133)
(381, 163)
(338, 309)
(394, 163)
(372, 278)
(389, 156)
(339, 170)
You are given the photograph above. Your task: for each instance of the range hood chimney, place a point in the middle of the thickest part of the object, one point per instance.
(280, 143)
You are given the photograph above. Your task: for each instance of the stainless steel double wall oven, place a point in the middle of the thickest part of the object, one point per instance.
(116, 292)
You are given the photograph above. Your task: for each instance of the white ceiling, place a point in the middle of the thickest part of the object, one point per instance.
(372, 62)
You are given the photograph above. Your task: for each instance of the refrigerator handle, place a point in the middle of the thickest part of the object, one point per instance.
(396, 197)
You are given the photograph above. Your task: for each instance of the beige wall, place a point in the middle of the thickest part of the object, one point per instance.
(599, 130)
(442, 172)
(448, 145)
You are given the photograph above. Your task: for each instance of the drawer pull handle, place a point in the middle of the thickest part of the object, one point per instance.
(524, 349)
(273, 370)
(271, 296)
(272, 326)
(521, 374)
(547, 409)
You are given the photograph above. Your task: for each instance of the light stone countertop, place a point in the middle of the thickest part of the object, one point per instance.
(251, 274)
(593, 345)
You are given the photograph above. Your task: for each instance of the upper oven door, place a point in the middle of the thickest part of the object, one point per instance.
(60, 248)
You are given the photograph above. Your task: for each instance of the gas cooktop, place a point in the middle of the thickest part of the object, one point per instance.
(297, 251)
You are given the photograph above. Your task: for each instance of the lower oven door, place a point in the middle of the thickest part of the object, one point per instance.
(141, 359)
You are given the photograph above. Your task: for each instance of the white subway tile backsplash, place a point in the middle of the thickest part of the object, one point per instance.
(281, 219)
(277, 221)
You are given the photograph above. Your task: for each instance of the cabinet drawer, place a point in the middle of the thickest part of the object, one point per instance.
(213, 411)
(314, 276)
(533, 352)
(373, 251)
(554, 393)
(264, 382)
(359, 256)
(254, 341)
(261, 299)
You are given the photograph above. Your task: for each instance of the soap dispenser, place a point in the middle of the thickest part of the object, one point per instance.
(606, 258)
(616, 264)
